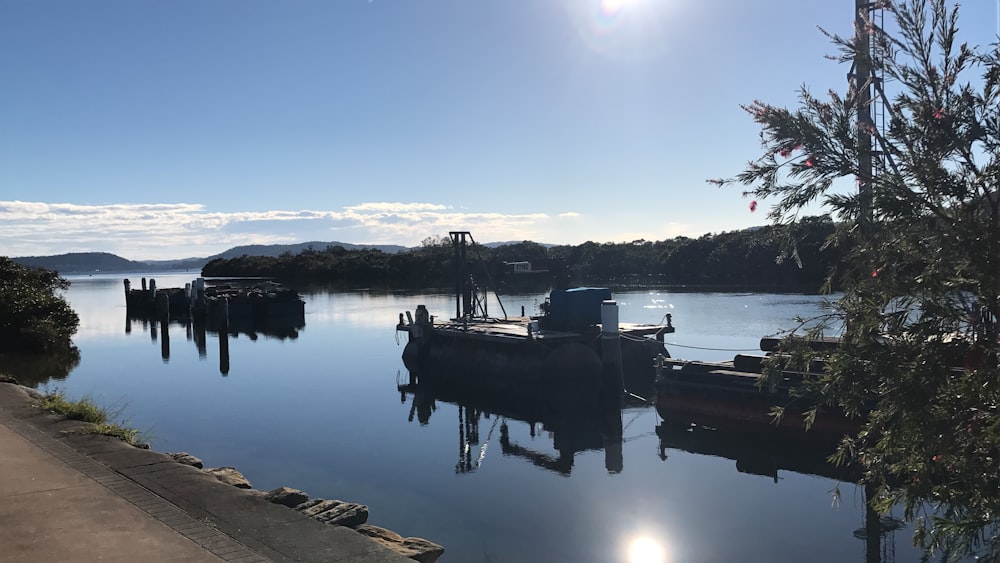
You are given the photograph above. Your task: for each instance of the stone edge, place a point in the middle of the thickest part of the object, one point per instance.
(210, 539)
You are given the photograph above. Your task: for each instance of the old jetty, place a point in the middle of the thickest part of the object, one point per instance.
(577, 342)
(220, 304)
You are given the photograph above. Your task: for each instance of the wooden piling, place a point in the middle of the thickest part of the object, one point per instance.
(611, 348)
(224, 352)
(162, 306)
(164, 339)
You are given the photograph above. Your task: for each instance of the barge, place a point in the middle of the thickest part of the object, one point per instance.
(733, 394)
(576, 344)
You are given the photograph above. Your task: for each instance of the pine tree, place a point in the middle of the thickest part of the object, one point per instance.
(921, 302)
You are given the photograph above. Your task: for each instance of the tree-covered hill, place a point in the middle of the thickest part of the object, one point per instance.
(761, 257)
(81, 262)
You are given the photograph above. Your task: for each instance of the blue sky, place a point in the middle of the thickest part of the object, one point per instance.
(159, 130)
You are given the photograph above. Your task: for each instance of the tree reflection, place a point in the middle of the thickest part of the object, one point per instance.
(34, 370)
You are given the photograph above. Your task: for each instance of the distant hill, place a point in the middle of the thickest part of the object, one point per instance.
(90, 262)
(82, 262)
(279, 249)
(513, 242)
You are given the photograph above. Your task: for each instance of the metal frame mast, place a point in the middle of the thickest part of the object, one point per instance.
(866, 81)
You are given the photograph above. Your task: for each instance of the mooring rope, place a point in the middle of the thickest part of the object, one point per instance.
(713, 349)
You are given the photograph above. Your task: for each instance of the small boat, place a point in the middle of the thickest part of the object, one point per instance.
(733, 394)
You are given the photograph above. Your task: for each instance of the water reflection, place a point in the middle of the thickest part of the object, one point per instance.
(767, 454)
(572, 428)
(567, 429)
(755, 452)
(644, 549)
(196, 330)
(40, 369)
(696, 505)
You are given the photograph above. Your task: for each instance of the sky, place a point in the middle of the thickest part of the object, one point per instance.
(161, 130)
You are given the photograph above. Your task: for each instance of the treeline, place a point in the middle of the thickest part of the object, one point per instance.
(792, 257)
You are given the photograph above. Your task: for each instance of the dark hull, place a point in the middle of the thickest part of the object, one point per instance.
(721, 409)
(512, 363)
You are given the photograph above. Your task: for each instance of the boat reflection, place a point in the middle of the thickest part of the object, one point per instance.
(196, 330)
(573, 427)
(485, 419)
(767, 452)
(755, 452)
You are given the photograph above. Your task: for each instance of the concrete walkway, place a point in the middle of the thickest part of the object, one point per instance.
(66, 496)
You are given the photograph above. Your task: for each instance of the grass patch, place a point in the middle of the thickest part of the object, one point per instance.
(83, 409)
(86, 410)
(123, 433)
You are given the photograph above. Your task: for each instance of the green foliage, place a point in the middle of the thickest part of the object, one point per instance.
(124, 433)
(34, 316)
(751, 258)
(921, 302)
(82, 409)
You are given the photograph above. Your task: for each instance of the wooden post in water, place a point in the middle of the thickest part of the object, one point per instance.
(614, 459)
(162, 306)
(223, 335)
(224, 352)
(873, 528)
(164, 339)
(611, 347)
(201, 338)
(224, 315)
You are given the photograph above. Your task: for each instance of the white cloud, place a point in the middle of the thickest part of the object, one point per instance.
(165, 230)
(396, 207)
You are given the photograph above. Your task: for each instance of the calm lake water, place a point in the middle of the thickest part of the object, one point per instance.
(316, 407)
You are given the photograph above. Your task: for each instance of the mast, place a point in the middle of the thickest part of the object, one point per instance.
(862, 84)
(459, 243)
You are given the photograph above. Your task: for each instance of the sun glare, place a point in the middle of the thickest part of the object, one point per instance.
(645, 549)
(629, 30)
(612, 7)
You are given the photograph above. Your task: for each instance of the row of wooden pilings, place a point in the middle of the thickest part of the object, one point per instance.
(198, 310)
(159, 303)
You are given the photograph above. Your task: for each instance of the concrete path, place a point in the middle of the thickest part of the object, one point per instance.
(66, 496)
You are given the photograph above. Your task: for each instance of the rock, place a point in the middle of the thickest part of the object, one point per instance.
(335, 512)
(230, 476)
(417, 549)
(186, 459)
(4, 378)
(286, 496)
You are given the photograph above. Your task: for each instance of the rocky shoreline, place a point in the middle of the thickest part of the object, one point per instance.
(332, 512)
(191, 492)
